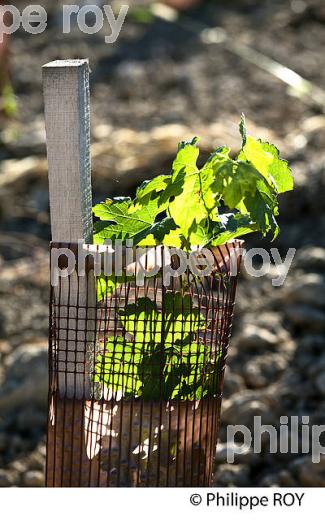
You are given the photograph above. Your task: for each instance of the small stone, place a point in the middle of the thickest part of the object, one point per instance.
(233, 383)
(27, 358)
(2, 324)
(269, 320)
(26, 377)
(270, 480)
(33, 479)
(6, 478)
(320, 383)
(34, 139)
(264, 370)
(4, 441)
(5, 347)
(129, 70)
(254, 378)
(36, 461)
(256, 338)
(309, 350)
(19, 466)
(316, 366)
(306, 317)
(232, 452)
(286, 479)
(42, 450)
(102, 131)
(227, 475)
(312, 342)
(17, 444)
(310, 258)
(309, 291)
(244, 407)
(309, 473)
(30, 419)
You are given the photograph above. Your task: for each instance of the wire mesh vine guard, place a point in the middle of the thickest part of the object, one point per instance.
(136, 372)
(136, 377)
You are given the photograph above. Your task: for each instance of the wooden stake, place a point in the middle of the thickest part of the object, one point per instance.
(66, 96)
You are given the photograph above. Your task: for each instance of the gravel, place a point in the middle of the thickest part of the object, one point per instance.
(275, 365)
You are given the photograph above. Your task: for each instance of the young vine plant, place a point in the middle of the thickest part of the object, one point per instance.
(182, 209)
(206, 206)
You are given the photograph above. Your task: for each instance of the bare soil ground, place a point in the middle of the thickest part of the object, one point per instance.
(159, 83)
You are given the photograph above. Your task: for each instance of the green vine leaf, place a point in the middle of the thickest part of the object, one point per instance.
(182, 209)
(121, 220)
(162, 343)
(265, 158)
(156, 233)
(184, 195)
(153, 187)
(230, 227)
(118, 367)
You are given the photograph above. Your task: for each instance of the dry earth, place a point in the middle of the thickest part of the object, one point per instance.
(158, 84)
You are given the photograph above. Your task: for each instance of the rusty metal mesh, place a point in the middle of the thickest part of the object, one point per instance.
(136, 376)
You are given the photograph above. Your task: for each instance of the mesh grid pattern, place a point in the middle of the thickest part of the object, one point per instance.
(136, 376)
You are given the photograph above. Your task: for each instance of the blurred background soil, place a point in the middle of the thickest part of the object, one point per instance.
(158, 84)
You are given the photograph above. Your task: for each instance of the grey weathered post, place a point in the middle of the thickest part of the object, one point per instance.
(66, 96)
